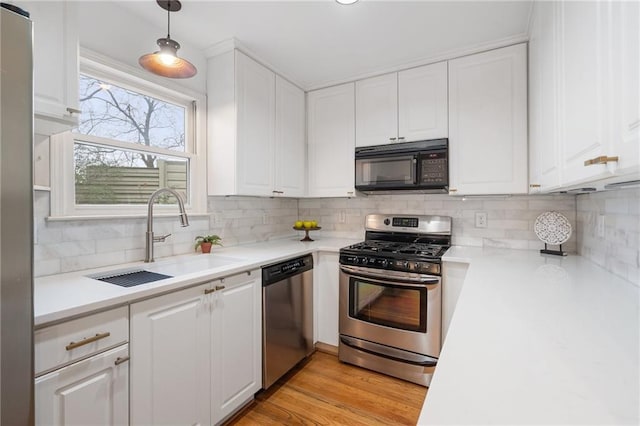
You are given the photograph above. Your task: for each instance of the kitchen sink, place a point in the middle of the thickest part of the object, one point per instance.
(163, 270)
(131, 278)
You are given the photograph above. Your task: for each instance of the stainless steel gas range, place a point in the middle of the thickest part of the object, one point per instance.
(390, 296)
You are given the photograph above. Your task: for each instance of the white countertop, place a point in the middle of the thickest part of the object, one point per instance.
(58, 297)
(538, 340)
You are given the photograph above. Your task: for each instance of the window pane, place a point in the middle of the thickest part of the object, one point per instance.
(112, 112)
(105, 175)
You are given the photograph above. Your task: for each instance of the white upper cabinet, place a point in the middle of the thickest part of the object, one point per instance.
(422, 103)
(331, 141)
(255, 96)
(488, 122)
(407, 106)
(544, 151)
(256, 129)
(583, 103)
(584, 111)
(55, 61)
(290, 142)
(377, 110)
(625, 48)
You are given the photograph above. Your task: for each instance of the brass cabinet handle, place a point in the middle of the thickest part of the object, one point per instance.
(277, 192)
(392, 139)
(220, 287)
(453, 190)
(120, 360)
(534, 185)
(400, 138)
(86, 341)
(209, 290)
(74, 110)
(349, 192)
(603, 159)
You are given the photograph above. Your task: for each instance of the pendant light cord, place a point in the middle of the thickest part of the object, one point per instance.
(169, 20)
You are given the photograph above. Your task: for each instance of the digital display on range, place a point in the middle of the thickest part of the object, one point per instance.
(405, 222)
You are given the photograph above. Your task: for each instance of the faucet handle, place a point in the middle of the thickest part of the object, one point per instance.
(161, 238)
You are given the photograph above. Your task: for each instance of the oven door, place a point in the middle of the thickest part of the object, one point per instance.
(397, 309)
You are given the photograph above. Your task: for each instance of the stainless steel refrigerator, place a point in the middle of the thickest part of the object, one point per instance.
(16, 218)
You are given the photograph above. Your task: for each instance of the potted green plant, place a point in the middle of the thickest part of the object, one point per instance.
(205, 242)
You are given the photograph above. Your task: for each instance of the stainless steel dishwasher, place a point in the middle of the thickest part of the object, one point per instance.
(287, 316)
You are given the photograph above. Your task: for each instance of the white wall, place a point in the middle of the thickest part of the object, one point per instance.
(112, 31)
(619, 249)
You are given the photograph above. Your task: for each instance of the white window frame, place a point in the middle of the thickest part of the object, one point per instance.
(62, 147)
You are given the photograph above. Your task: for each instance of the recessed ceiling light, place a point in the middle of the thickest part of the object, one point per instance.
(346, 1)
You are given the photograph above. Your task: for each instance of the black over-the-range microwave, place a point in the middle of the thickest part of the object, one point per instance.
(421, 166)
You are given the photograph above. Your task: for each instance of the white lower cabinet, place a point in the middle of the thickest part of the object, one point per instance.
(236, 344)
(94, 391)
(326, 283)
(196, 353)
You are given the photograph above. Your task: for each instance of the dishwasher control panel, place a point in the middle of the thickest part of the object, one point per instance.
(278, 271)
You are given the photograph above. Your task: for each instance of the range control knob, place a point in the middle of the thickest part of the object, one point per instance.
(384, 263)
(364, 260)
(387, 221)
(418, 266)
(405, 264)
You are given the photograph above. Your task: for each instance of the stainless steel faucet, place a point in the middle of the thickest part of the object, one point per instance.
(184, 221)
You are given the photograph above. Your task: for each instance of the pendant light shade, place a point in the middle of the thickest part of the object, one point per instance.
(165, 62)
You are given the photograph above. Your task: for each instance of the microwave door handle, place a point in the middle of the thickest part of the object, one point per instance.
(417, 167)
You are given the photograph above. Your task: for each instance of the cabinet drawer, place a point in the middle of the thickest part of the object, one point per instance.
(64, 343)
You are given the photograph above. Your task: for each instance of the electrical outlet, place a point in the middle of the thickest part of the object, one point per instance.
(265, 219)
(481, 219)
(601, 225)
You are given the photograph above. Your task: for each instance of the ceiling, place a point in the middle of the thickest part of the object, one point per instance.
(319, 43)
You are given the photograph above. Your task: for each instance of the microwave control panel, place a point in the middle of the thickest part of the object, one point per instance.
(434, 167)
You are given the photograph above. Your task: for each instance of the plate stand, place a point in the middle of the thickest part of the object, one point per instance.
(553, 252)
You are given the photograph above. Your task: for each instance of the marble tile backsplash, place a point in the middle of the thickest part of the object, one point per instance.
(616, 245)
(65, 246)
(509, 220)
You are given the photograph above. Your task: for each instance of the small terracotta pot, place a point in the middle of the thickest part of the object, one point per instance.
(206, 247)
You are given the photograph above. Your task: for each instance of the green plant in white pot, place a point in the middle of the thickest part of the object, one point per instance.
(205, 242)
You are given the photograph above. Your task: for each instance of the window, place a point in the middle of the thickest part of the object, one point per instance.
(133, 137)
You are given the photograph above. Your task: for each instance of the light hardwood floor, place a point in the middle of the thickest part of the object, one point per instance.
(324, 391)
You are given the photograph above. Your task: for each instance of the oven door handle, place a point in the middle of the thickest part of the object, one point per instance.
(404, 277)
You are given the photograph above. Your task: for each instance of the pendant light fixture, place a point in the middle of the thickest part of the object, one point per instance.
(166, 62)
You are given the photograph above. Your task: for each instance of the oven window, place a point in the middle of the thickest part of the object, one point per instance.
(390, 171)
(393, 306)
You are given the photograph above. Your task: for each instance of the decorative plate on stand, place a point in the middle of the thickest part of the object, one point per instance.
(552, 228)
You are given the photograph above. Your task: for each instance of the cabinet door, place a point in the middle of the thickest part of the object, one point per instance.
(290, 158)
(326, 284)
(422, 103)
(94, 391)
(55, 62)
(255, 95)
(331, 141)
(582, 99)
(236, 348)
(170, 370)
(377, 110)
(625, 46)
(488, 122)
(544, 150)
